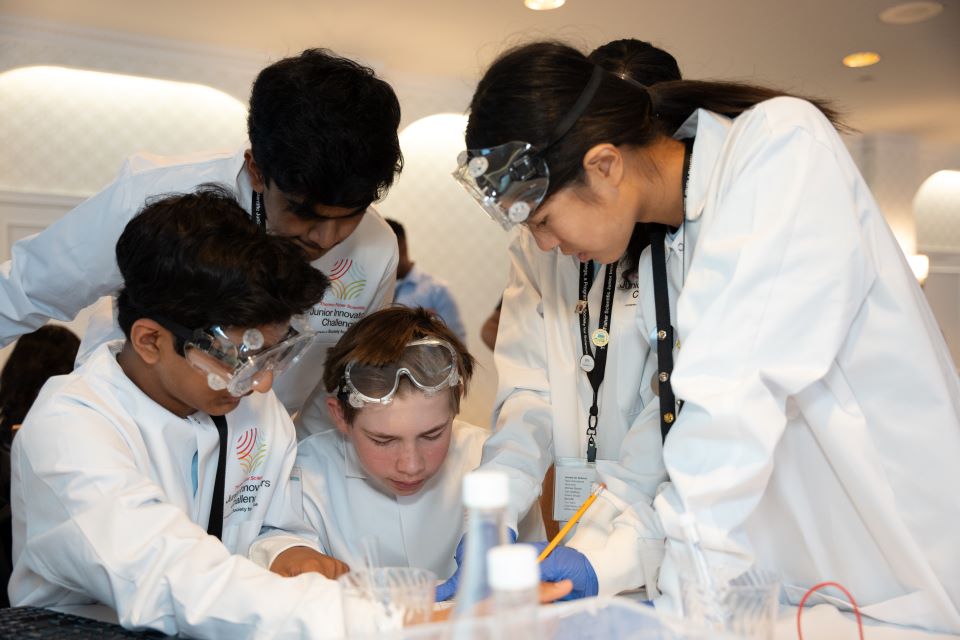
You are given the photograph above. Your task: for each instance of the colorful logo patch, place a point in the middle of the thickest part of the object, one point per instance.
(251, 449)
(347, 279)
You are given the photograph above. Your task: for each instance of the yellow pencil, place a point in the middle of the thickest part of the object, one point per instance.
(566, 528)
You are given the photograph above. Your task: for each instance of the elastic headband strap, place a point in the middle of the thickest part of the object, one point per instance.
(578, 107)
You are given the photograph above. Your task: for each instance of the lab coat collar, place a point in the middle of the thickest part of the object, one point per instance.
(352, 466)
(711, 131)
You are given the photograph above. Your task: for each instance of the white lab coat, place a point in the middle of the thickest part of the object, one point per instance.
(544, 397)
(104, 511)
(68, 266)
(421, 530)
(821, 428)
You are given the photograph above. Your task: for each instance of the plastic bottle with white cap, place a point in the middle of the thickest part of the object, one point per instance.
(515, 581)
(485, 496)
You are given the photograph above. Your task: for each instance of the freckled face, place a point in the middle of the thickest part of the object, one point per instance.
(403, 444)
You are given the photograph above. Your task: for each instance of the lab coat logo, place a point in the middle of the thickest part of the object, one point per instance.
(251, 450)
(347, 279)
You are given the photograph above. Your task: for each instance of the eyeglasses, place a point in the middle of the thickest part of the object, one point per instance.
(241, 368)
(430, 364)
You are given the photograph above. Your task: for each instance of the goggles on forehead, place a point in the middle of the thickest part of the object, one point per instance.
(240, 368)
(429, 364)
(511, 180)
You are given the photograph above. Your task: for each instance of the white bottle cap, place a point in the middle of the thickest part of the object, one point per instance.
(513, 567)
(485, 490)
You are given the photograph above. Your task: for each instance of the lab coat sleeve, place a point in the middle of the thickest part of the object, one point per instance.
(66, 267)
(522, 445)
(283, 524)
(620, 534)
(97, 525)
(778, 276)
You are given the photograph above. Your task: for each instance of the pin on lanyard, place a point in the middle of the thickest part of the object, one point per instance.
(594, 363)
(661, 297)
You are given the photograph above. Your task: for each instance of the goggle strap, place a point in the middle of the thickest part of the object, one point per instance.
(583, 101)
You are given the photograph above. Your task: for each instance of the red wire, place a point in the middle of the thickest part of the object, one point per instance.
(816, 587)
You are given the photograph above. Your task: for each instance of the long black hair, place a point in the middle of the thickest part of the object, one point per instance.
(641, 62)
(527, 90)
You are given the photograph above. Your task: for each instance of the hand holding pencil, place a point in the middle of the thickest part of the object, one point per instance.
(565, 563)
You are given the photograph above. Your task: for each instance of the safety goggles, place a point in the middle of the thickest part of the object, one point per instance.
(429, 364)
(511, 180)
(241, 368)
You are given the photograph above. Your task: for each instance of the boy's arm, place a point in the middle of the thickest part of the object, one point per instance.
(97, 525)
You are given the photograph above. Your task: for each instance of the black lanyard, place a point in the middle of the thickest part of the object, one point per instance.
(215, 524)
(661, 298)
(595, 363)
(257, 210)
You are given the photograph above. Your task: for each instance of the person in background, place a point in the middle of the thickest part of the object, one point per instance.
(811, 422)
(322, 147)
(48, 351)
(393, 469)
(551, 377)
(118, 496)
(490, 327)
(416, 288)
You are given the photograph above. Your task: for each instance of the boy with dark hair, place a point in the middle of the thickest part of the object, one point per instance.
(141, 479)
(323, 147)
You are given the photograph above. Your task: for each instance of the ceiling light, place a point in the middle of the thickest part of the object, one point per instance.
(861, 59)
(911, 12)
(543, 5)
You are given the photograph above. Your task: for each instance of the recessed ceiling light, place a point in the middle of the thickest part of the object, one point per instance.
(861, 59)
(911, 12)
(543, 5)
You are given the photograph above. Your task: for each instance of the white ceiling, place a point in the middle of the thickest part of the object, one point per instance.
(793, 44)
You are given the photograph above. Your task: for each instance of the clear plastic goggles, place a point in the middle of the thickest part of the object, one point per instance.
(509, 181)
(241, 368)
(429, 364)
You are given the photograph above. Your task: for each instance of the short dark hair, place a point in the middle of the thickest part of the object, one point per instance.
(198, 260)
(324, 128)
(48, 351)
(398, 229)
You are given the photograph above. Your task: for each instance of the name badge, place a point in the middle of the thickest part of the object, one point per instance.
(573, 483)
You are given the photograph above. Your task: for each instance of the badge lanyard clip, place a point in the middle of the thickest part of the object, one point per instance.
(594, 363)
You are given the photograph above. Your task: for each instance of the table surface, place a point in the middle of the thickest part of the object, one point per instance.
(821, 622)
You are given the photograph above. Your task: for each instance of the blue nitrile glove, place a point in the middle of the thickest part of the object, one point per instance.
(566, 563)
(448, 589)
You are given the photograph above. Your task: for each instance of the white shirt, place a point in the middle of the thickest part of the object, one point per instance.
(544, 397)
(343, 505)
(71, 264)
(821, 428)
(104, 510)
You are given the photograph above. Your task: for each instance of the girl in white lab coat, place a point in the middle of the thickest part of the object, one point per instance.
(812, 418)
(546, 387)
(392, 469)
